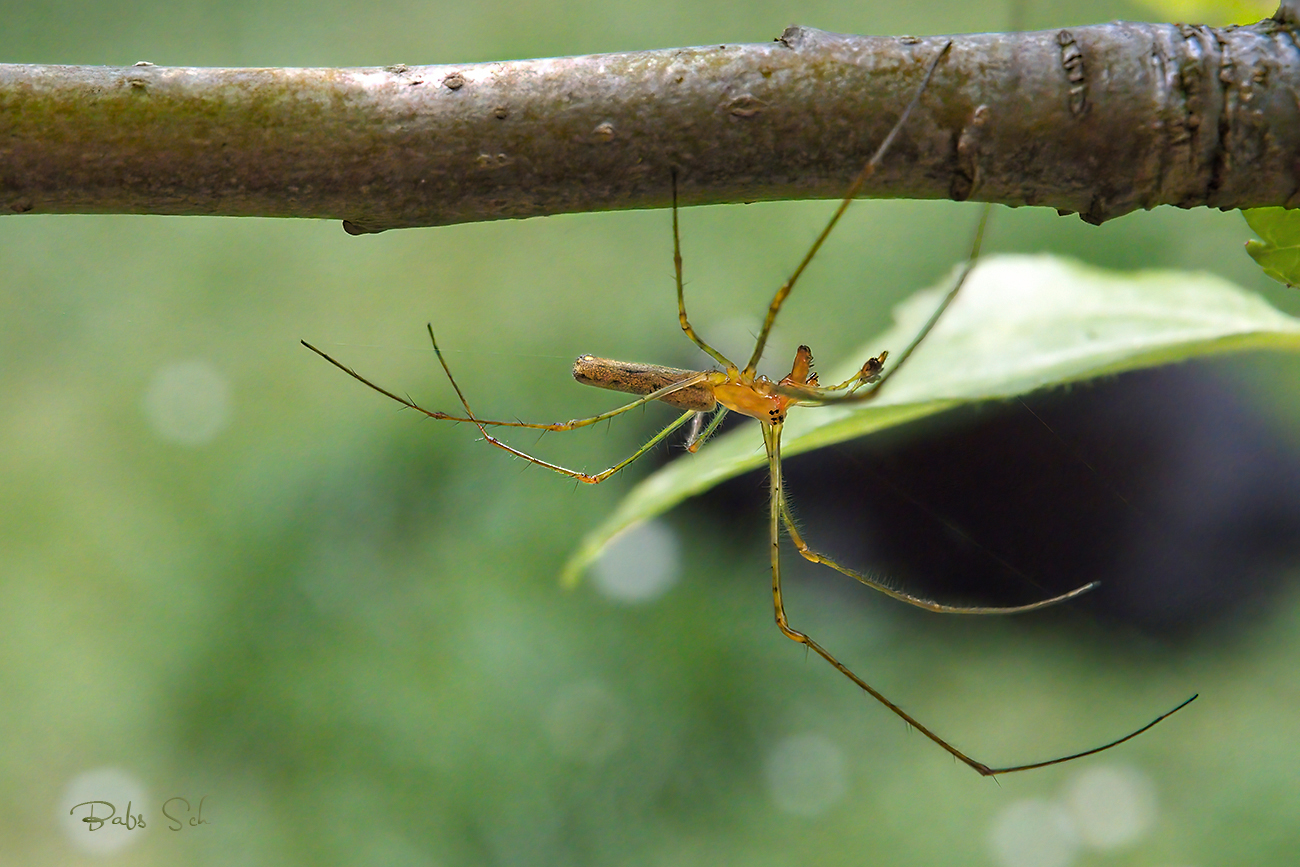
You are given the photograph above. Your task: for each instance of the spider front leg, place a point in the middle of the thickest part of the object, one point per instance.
(872, 376)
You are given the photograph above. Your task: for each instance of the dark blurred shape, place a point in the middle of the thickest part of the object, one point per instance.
(1164, 484)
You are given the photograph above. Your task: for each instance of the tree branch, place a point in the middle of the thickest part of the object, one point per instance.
(1099, 120)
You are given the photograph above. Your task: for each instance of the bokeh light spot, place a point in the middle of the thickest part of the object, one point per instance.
(1111, 805)
(806, 774)
(1033, 833)
(188, 402)
(641, 564)
(119, 788)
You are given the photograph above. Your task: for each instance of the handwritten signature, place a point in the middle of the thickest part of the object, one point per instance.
(177, 811)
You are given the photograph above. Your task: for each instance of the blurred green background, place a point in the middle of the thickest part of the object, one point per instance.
(229, 571)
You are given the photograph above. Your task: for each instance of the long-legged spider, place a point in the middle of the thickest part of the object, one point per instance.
(743, 390)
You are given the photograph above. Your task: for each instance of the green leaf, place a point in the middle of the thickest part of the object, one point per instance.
(1020, 323)
(1279, 253)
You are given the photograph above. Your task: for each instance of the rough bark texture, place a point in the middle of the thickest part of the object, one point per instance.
(1098, 120)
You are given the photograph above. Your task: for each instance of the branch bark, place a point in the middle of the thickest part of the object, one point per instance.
(1098, 120)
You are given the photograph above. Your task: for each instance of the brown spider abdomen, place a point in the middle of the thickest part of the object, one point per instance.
(633, 377)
